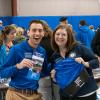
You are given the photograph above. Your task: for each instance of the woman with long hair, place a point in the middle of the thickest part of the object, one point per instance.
(6, 41)
(69, 53)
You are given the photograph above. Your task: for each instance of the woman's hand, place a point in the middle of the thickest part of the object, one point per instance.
(81, 61)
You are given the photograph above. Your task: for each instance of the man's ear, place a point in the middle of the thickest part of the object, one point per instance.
(43, 34)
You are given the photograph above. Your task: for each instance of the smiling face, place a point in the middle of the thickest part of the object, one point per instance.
(36, 33)
(61, 38)
(11, 36)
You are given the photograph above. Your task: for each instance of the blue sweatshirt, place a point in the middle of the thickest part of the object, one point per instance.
(3, 55)
(20, 78)
(85, 36)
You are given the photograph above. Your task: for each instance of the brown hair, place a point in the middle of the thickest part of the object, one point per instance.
(6, 32)
(83, 22)
(47, 29)
(71, 40)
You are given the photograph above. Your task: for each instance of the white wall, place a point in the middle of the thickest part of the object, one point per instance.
(57, 7)
(5, 8)
(51, 7)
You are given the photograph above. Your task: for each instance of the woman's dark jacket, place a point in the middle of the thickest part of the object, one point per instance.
(88, 56)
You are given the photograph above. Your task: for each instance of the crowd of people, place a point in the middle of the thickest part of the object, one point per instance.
(46, 64)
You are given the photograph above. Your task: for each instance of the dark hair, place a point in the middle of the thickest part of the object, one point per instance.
(83, 22)
(63, 18)
(96, 43)
(47, 29)
(37, 22)
(71, 40)
(8, 29)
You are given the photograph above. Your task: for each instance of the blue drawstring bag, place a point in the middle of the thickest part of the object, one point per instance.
(67, 72)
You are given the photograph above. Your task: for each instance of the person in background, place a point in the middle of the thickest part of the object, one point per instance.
(96, 43)
(45, 86)
(96, 49)
(25, 32)
(46, 40)
(85, 35)
(25, 64)
(65, 46)
(1, 26)
(6, 42)
(71, 28)
(92, 28)
(19, 35)
(63, 20)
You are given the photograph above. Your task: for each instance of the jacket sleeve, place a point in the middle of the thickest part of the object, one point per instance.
(96, 43)
(89, 56)
(8, 69)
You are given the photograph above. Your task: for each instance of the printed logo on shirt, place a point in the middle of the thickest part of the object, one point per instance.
(72, 55)
(28, 55)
